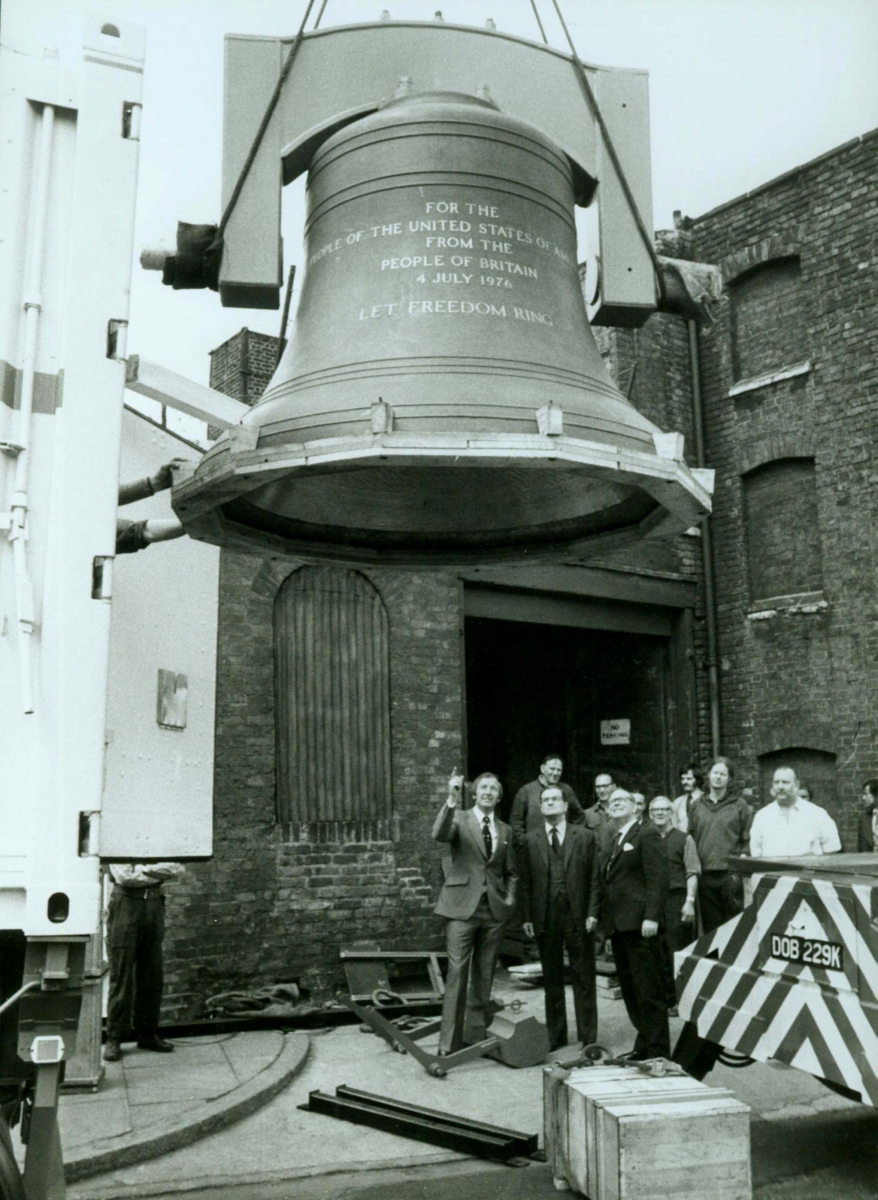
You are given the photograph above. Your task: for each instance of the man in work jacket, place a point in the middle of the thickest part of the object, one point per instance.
(720, 821)
(526, 813)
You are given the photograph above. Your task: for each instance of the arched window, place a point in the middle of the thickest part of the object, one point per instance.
(768, 330)
(332, 698)
(783, 536)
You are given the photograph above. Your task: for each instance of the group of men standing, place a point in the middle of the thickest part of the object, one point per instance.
(578, 877)
(565, 870)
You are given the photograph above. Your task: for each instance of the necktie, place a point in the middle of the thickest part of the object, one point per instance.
(556, 843)
(486, 834)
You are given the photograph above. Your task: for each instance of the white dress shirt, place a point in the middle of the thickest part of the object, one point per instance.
(620, 836)
(144, 874)
(789, 832)
(562, 831)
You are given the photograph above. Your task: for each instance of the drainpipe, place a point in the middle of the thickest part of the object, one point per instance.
(32, 305)
(706, 549)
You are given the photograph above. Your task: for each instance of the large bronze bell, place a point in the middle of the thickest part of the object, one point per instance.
(442, 398)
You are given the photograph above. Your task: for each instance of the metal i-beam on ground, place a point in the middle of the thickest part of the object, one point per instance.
(527, 1142)
(423, 1125)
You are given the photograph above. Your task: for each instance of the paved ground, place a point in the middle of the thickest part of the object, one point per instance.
(149, 1104)
(282, 1151)
(146, 1088)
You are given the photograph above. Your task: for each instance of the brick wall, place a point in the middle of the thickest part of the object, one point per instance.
(266, 909)
(778, 497)
(652, 367)
(799, 260)
(765, 328)
(243, 365)
(801, 675)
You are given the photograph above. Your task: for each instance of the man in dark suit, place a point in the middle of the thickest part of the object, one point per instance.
(477, 899)
(526, 813)
(560, 901)
(635, 889)
(868, 826)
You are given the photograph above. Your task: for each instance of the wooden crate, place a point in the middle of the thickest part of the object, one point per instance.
(558, 1083)
(585, 1102)
(685, 1148)
(594, 1149)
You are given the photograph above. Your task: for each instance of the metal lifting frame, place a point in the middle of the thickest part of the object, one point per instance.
(622, 140)
(437, 1065)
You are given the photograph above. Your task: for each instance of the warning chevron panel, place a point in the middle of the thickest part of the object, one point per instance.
(793, 977)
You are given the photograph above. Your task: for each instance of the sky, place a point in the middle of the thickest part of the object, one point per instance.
(740, 91)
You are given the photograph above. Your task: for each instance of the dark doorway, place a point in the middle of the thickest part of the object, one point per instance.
(536, 688)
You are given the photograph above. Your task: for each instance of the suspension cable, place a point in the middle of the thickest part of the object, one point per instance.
(320, 14)
(263, 125)
(591, 99)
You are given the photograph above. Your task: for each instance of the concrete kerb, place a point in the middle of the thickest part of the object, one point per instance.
(108, 1154)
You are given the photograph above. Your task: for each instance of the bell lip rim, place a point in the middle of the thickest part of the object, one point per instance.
(682, 499)
(215, 527)
(476, 450)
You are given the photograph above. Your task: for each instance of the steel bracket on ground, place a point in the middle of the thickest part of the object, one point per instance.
(407, 1043)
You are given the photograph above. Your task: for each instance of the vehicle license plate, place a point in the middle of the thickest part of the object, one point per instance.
(812, 952)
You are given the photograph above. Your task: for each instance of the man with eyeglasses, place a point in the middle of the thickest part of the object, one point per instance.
(684, 867)
(560, 902)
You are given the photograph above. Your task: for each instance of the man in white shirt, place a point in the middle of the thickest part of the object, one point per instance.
(791, 827)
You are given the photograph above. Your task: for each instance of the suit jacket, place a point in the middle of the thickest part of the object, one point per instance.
(470, 871)
(581, 872)
(636, 879)
(526, 814)
(604, 830)
(865, 838)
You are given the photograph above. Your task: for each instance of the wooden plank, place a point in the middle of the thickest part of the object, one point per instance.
(576, 1149)
(566, 1123)
(553, 1094)
(332, 690)
(574, 1145)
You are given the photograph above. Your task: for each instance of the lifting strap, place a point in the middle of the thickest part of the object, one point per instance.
(263, 125)
(591, 100)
